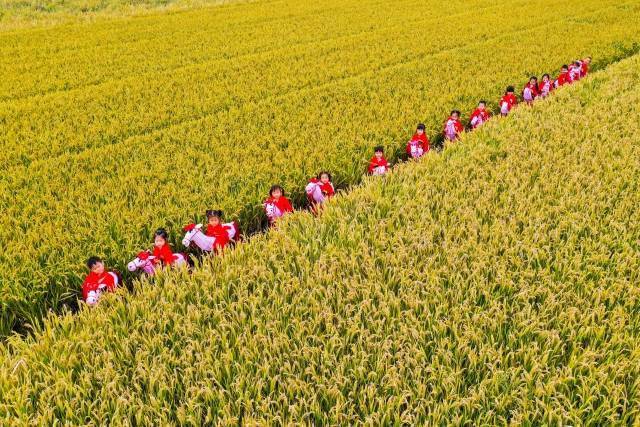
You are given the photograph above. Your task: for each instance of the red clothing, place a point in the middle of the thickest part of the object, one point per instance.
(418, 141)
(562, 79)
(478, 117)
(220, 233)
(575, 72)
(163, 255)
(585, 69)
(277, 208)
(507, 102)
(378, 163)
(97, 282)
(452, 128)
(533, 91)
(545, 88)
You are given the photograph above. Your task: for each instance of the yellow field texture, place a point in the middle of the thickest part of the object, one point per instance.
(113, 129)
(496, 283)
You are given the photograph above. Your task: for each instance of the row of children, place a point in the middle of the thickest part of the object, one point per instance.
(419, 144)
(217, 235)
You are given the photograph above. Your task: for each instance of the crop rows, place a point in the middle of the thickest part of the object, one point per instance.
(505, 292)
(159, 129)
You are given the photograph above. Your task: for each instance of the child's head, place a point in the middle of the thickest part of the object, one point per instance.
(420, 129)
(214, 217)
(95, 265)
(533, 80)
(510, 89)
(378, 151)
(546, 77)
(160, 237)
(564, 68)
(455, 114)
(577, 63)
(324, 177)
(276, 191)
(482, 104)
(587, 60)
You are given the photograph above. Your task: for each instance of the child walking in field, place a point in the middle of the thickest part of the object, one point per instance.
(277, 205)
(575, 71)
(546, 86)
(378, 165)
(479, 115)
(319, 189)
(531, 91)
(508, 101)
(418, 145)
(453, 127)
(98, 281)
(563, 77)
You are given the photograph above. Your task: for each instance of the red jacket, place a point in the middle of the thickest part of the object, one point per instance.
(282, 204)
(562, 79)
(575, 72)
(535, 90)
(545, 87)
(422, 140)
(510, 100)
(93, 282)
(220, 233)
(375, 163)
(163, 254)
(478, 117)
(452, 128)
(585, 69)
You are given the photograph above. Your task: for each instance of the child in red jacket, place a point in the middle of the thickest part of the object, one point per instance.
(277, 205)
(163, 255)
(319, 189)
(479, 115)
(98, 281)
(531, 91)
(508, 101)
(419, 143)
(378, 165)
(452, 127)
(216, 229)
(545, 86)
(575, 71)
(563, 77)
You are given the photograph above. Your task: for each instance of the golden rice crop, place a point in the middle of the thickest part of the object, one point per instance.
(113, 129)
(496, 283)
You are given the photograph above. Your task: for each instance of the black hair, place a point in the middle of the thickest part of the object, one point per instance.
(456, 112)
(93, 261)
(161, 232)
(324, 173)
(274, 188)
(533, 78)
(214, 212)
(420, 126)
(510, 89)
(378, 148)
(482, 101)
(588, 57)
(577, 63)
(564, 66)
(546, 75)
